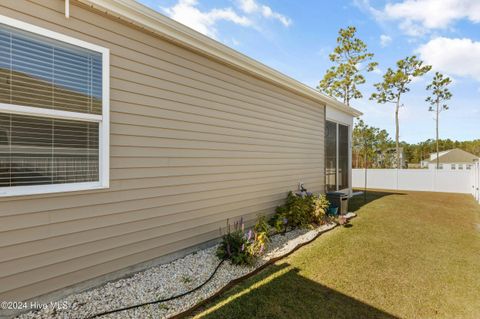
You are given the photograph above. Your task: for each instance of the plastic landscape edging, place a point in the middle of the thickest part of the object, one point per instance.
(224, 288)
(238, 280)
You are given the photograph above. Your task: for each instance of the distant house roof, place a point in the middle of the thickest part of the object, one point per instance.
(456, 156)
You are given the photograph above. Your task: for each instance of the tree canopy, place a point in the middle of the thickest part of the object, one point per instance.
(440, 95)
(394, 85)
(369, 145)
(343, 78)
(378, 144)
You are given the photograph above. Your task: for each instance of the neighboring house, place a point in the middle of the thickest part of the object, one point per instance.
(388, 158)
(455, 159)
(128, 139)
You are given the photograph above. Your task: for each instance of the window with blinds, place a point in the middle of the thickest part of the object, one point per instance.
(52, 105)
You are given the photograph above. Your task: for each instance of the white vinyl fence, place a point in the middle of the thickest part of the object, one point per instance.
(475, 180)
(466, 181)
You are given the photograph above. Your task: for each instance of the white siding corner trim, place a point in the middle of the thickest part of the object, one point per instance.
(102, 120)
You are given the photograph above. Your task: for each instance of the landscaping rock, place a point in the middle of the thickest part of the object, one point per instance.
(170, 279)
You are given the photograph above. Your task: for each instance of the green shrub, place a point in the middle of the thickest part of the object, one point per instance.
(319, 205)
(300, 210)
(279, 220)
(242, 248)
(261, 237)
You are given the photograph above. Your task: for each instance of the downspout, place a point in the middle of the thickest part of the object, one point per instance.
(67, 9)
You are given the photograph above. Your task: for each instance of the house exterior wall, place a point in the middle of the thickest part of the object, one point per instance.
(449, 166)
(192, 143)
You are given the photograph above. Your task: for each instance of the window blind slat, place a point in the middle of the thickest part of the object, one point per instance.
(37, 151)
(40, 72)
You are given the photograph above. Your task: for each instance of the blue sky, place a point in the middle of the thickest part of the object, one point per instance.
(295, 37)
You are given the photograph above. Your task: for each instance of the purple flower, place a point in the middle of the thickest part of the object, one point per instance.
(285, 221)
(261, 248)
(249, 235)
(243, 247)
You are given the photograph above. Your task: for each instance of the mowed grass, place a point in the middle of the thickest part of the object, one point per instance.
(407, 255)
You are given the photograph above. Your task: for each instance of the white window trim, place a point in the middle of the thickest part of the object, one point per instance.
(103, 120)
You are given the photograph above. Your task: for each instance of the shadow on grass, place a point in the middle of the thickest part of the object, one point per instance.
(280, 291)
(358, 201)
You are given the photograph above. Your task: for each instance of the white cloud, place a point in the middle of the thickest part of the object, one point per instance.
(385, 40)
(253, 7)
(418, 17)
(412, 29)
(365, 5)
(458, 57)
(235, 42)
(434, 14)
(248, 6)
(187, 12)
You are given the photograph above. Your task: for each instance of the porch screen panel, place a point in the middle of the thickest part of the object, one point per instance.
(343, 157)
(331, 156)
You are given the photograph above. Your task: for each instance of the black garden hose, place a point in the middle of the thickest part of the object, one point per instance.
(159, 300)
(233, 282)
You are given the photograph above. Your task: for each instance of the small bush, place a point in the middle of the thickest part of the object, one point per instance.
(242, 248)
(319, 205)
(279, 220)
(261, 237)
(300, 210)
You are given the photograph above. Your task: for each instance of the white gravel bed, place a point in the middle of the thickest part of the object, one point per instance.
(170, 279)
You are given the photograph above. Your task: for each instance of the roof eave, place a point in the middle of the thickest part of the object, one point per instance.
(146, 18)
(342, 107)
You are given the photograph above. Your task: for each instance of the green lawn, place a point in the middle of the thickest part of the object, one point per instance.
(407, 255)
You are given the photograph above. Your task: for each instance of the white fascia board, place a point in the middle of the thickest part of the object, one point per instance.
(149, 19)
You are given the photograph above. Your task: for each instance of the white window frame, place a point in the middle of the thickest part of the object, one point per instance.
(103, 120)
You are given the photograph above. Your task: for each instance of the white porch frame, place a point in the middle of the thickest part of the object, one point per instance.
(342, 118)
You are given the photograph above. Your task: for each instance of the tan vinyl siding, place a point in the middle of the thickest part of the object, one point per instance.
(193, 143)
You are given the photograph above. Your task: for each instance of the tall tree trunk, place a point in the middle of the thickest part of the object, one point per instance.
(397, 134)
(346, 97)
(365, 189)
(437, 119)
